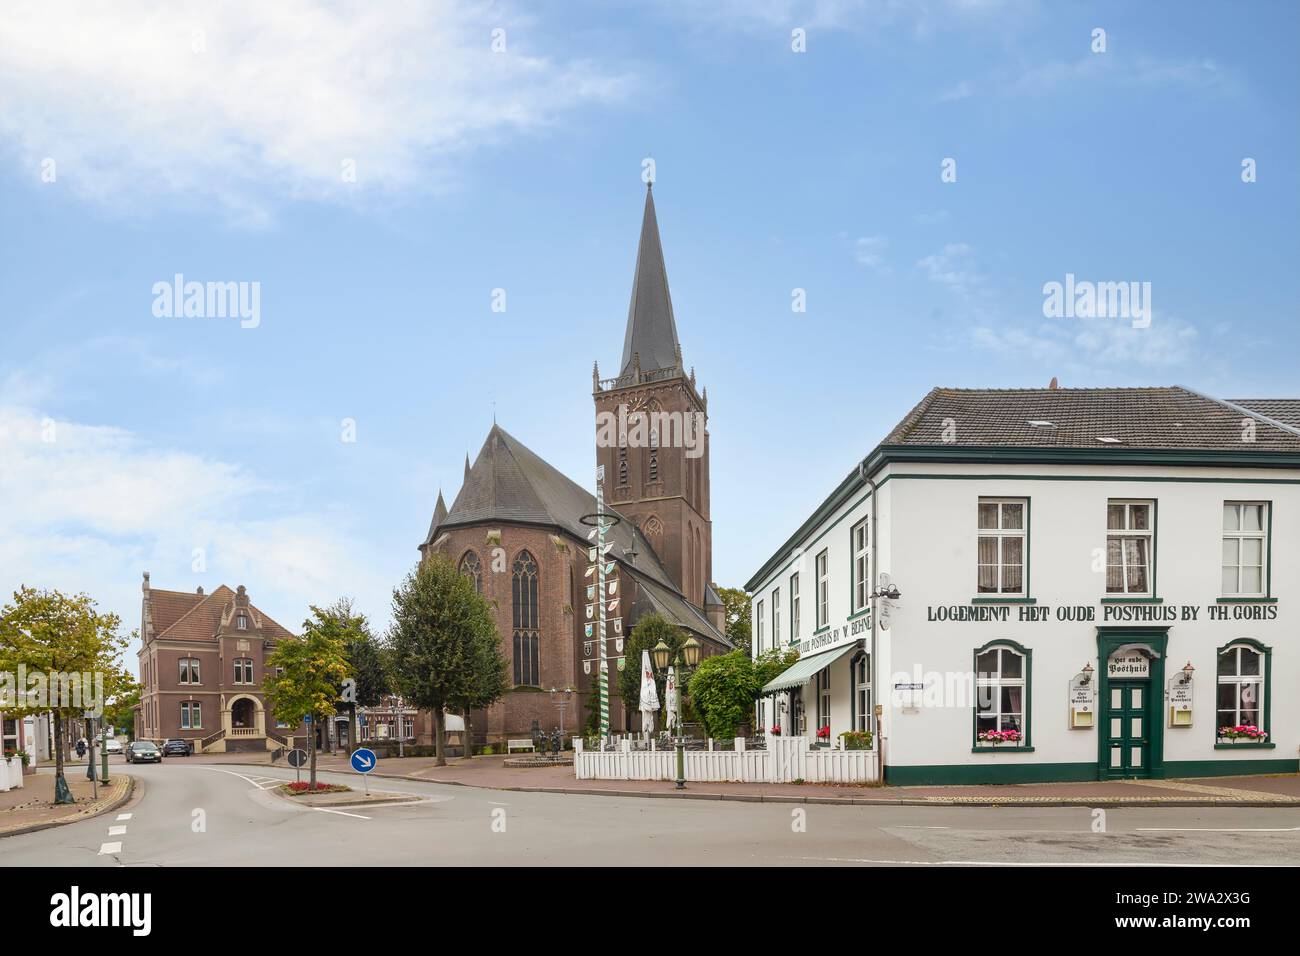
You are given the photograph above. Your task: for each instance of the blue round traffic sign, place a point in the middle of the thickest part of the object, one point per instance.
(363, 760)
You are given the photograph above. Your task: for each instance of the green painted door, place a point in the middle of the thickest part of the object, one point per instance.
(1127, 725)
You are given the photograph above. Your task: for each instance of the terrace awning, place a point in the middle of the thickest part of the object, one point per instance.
(802, 670)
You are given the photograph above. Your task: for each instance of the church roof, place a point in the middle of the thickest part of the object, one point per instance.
(651, 330)
(510, 483)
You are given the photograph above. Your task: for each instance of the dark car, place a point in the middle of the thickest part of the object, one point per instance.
(176, 747)
(143, 751)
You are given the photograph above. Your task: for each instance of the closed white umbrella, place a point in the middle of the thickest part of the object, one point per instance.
(649, 694)
(670, 704)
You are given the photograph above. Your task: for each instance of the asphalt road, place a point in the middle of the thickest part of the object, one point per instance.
(187, 813)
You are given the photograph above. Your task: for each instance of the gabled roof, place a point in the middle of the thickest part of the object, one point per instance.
(509, 482)
(186, 616)
(1284, 410)
(651, 329)
(1170, 425)
(1166, 417)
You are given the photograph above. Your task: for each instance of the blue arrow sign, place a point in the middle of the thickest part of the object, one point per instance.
(363, 760)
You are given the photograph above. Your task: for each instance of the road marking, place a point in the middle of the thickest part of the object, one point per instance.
(124, 816)
(341, 813)
(917, 826)
(843, 859)
(109, 848)
(116, 831)
(1218, 829)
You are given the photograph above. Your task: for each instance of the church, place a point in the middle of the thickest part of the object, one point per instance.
(516, 528)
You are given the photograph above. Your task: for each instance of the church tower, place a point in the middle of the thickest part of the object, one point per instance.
(651, 431)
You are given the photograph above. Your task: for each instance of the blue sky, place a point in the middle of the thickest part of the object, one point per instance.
(208, 140)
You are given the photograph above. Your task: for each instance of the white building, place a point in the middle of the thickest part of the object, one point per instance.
(1104, 578)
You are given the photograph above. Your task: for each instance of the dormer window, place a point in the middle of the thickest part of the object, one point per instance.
(241, 622)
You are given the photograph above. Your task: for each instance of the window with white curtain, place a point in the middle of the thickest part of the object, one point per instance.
(1245, 540)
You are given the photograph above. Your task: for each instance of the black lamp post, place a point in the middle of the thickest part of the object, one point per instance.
(687, 657)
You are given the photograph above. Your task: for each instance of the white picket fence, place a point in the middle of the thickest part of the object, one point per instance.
(11, 774)
(785, 760)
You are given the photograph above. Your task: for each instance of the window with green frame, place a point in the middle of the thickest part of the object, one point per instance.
(822, 597)
(859, 542)
(794, 607)
(1003, 672)
(1242, 676)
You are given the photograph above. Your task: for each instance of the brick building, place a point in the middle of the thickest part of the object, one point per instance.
(201, 663)
(515, 526)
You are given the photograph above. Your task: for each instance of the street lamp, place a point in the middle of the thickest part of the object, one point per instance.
(1087, 672)
(1188, 670)
(687, 657)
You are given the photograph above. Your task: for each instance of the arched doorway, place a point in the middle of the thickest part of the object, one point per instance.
(243, 714)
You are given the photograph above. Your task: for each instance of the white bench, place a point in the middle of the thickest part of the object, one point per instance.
(513, 745)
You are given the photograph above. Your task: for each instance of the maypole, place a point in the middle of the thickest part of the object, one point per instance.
(601, 597)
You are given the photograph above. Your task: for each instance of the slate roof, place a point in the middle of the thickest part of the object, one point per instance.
(509, 483)
(1170, 417)
(1284, 410)
(651, 329)
(185, 616)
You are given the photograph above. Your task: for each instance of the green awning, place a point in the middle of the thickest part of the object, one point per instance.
(802, 670)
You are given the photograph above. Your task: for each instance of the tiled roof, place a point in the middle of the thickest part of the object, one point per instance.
(1166, 417)
(1284, 410)
(185, 616)
(509, 483)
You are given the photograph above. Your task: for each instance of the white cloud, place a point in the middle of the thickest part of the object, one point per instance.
(921, 16)
(1119, 70)
(952, 267)
(88, 508)
(275, 99)
(1093, 346)
(870, 251)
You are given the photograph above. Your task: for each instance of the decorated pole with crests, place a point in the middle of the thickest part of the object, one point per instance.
(603, 667)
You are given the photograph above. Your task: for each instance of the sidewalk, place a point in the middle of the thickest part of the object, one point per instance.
(490, 772)
(33, 807)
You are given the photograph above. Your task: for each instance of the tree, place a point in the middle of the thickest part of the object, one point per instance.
(649, 630)
(736, 612)
(772, 663)
(72, 652)
(724, 689)
(444, 650)
(120, 711)
(362, 651)
(303, 674)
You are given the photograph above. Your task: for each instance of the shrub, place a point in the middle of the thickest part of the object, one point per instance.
(856, 739)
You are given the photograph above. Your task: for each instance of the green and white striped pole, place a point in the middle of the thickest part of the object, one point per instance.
(600, 593)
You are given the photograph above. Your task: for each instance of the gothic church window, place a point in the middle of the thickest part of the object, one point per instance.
(523, 592)
(472, 569)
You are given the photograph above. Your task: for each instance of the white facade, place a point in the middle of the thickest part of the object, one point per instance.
(1177, 608)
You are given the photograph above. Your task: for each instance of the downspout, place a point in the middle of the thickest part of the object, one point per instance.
(875, 567)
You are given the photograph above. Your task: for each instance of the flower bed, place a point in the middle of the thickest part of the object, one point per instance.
(996, 737)
(302, 786)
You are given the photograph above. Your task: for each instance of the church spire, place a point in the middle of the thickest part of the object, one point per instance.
(651, 329)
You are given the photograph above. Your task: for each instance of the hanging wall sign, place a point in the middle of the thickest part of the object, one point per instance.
(1180, 701)
(1128, 664)
(1082, 698)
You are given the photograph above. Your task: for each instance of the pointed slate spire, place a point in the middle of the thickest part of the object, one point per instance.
(651, 328)
(439, 516)
(466, 466)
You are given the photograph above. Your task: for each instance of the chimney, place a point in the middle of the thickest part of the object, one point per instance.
(1052, 384)
(200, 590)
(145, 587)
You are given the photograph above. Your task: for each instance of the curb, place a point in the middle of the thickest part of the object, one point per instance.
(851, 801)
(76, 817)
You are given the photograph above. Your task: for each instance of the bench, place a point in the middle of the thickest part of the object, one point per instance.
(513, 745)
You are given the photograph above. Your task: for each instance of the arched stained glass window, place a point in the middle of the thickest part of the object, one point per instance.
(472, 568)
(523, 593)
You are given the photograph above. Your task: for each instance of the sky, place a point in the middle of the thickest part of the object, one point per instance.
(391, 175)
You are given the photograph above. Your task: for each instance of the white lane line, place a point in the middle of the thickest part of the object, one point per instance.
(107, 849)
(917, 826)
(1071, 863)
(124, 816)
(341, 813)
(1218, 829)
(116, 831)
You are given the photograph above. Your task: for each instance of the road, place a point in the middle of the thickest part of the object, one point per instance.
(186, 813)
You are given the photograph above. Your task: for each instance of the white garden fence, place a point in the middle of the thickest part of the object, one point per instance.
(11, 774)
(785, 760)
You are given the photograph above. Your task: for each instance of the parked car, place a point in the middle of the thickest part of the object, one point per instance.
(143, 751)
(113, 745)
(176, 747)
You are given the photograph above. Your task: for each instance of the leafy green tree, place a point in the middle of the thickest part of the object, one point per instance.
(444, 650)
(736, 612)
(363, 652)
(62, 638)
(120, 711)
(303, 674)
(772, 663)
(723, 689)
(649, 630)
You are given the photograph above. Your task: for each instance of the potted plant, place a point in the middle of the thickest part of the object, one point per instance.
(998, 737)
(824, 736)
(775, 730)
(856, 740)
(1243, 732)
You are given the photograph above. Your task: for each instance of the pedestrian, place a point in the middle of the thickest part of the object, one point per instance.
(81, 747)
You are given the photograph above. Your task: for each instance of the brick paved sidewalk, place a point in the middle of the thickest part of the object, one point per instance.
(33, 807)
(490, 773)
